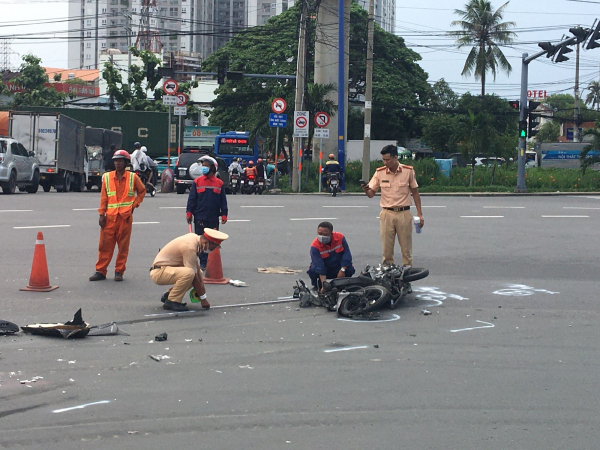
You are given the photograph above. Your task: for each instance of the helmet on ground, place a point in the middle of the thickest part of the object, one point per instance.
(137, 145)
(250, 163)
(122, 154)
(331, 156)
(144, 149)
(259, 161)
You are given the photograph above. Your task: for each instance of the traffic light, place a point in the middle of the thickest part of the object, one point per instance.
(534, 119)
(523, 129)
(514, 104)
(221, 74)
(580, 33)
(549, 48)
(150, 71)
(595, 36)
(560, 56)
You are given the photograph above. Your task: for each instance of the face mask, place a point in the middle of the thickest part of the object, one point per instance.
(205, 170)
(324, 239)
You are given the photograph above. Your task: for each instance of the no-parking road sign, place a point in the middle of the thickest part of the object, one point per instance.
(301, 123)
(182, 99)
(278, 105)
(321, 119)
(170, 87)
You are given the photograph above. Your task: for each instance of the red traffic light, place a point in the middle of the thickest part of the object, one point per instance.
(514, 104)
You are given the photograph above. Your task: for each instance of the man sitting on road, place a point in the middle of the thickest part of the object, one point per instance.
(177, 264)
(330, 256)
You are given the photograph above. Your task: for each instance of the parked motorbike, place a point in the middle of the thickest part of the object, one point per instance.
(362, 296)
(150, 189)
(333, 182)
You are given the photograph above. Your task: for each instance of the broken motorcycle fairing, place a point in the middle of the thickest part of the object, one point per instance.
(72, 329)
(7, 327)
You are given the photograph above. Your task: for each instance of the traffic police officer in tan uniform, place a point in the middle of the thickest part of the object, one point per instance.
(397, 182)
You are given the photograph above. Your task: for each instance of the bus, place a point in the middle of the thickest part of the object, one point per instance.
(235, 144)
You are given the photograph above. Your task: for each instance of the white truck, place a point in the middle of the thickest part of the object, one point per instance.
(58, 142)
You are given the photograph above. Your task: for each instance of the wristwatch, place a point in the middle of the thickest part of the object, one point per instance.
(343, 269)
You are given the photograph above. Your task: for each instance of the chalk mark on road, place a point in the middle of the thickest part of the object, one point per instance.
(393, 318)
(521, 290)
(42, 226)
(487, 325)
(80, 406)
(345, 349)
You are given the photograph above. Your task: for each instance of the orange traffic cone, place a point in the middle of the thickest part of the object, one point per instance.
(39, 281)
(214, 268)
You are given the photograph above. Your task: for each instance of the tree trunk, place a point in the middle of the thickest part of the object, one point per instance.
(472, 172)
(483, 85)
(493, 173)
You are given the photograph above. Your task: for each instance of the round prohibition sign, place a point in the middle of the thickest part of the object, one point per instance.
(321, 119)
(301, 122)
(182, 99)
(170, 87)
(278, 105)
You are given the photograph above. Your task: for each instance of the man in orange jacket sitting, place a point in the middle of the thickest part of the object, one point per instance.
(117, 202)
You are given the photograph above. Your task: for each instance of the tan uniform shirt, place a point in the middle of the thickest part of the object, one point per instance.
(180, 252)
(395, 187)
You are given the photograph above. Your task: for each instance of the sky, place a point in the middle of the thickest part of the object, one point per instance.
(422, 23)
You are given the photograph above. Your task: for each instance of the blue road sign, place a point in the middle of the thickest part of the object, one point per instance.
(278, 120)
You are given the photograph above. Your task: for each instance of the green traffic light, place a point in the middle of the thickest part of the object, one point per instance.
(523, 133)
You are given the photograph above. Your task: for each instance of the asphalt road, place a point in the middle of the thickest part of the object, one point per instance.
(506, 360)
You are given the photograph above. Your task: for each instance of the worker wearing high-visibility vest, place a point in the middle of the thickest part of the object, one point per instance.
(122, 192)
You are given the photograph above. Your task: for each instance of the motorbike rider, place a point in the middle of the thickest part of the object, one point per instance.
(331, 166)
(207, 201)
(235, 166)
(330, 256)
(260, 169)
(137, 157)
(250, 170)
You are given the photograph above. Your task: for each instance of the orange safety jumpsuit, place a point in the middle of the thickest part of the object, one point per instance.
(117, 202)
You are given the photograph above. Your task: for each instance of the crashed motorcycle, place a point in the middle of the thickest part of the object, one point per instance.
(362, 296)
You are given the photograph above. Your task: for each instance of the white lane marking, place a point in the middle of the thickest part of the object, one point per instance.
(317, 218)
(270, 302)
(345, 206)
(482, 217)
(393, 318)
(171, 207)
(85, 209)
(144, 223)
(504, 207)
(80, 406)
(563, 217)
(432, 206)
(261, 206)
(488, 325)
(344, 349)
(577, 207)
(42, 226)
(238, 220)
(16, 210)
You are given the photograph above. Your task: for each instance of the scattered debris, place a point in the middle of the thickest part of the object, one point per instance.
(426, 312)
(189, 340)
(158, 358)
(376, 346)
(7, 327)
(106, 329)
(132, 432)
(278, 269)
(161, 337)
(238, 283)
(75, 328)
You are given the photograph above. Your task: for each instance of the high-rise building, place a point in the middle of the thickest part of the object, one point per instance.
(259, 11)
(385, 13)
(189, 26)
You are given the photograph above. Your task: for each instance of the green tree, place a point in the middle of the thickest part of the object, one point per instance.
(33, 79)
(593, 96)
(138, 97)
(443, 96)
(483, 31)
(439, 130)
(585, 158)
(549, 132)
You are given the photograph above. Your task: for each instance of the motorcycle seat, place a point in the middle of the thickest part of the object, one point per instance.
(343, 283)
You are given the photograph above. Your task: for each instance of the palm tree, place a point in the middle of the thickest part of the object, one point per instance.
(484, 31)
(593, 96)
(586, 159)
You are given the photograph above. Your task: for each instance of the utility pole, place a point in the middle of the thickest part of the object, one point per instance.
(96, 39)
(368, 95)
(299, 98)
(342, 95)
(129, 30)
(576, 110)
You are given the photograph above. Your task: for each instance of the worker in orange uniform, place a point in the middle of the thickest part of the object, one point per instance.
(117, 202)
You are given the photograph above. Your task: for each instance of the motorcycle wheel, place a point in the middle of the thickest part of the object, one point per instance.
(414, 274)
(370, 298)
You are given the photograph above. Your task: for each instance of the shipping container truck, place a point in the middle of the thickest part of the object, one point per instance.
(97, 142)
(58, 142)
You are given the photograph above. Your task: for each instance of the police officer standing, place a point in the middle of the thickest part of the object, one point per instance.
(397, 182)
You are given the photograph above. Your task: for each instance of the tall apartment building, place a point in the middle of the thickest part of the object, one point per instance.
(259, 11)
(385, 13)
(195, 27)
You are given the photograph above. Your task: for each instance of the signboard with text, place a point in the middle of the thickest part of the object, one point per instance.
(301, 124)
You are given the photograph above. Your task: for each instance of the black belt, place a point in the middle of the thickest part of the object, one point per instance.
(154, 267)
(396, 209)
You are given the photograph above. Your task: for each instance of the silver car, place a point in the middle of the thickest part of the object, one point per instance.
(18, 168)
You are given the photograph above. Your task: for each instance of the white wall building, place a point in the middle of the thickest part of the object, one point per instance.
(259, 11)
(385, 13)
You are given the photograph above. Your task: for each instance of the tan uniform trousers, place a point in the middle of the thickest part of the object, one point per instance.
(182, 279)
(392, 224)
